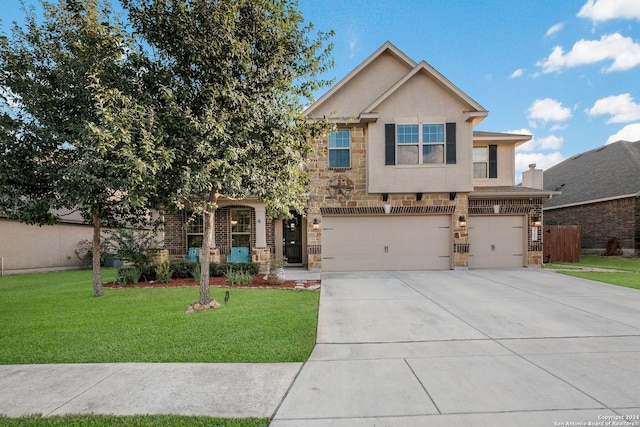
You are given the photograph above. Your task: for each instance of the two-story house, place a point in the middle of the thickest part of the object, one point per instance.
(404, 183)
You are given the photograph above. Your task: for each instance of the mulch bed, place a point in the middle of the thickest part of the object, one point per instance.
(221, 282)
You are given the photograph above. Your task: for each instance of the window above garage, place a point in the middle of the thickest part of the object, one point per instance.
(340, 149)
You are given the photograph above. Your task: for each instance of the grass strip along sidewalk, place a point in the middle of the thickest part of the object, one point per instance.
(615, 270)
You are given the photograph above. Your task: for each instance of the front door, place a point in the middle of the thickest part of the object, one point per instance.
(292, 239)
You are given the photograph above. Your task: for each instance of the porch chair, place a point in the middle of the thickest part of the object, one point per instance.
(240, 254)
(193, 255)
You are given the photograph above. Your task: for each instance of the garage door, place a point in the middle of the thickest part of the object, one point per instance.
(386, 243)
(496, 242)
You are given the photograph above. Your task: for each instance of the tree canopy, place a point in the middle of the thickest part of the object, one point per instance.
(239, 73)
(76, 128)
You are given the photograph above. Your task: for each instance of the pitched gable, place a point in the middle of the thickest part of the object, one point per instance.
(349, 97)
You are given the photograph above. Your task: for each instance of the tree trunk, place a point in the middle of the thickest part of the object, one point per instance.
(97, 280)
(208, 216)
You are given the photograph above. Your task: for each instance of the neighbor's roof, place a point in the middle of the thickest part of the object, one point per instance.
(608, 172)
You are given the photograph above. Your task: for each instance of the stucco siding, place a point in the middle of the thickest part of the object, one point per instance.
(371, 82)
(421, 100)
(25, 246)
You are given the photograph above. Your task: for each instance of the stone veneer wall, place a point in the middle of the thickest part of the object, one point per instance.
(601, 221)
(343, 192)
(176, 239)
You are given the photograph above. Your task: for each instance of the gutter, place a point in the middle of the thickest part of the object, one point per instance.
(588, 202)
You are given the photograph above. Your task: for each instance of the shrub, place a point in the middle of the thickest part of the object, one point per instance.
(129, 275)
(240, 277)
(163, 272)
(181, 269)
(195, 271)
(132, 245)
(248, 267)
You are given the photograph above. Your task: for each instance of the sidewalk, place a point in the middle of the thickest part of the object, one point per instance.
(211, 389)
(228, 390)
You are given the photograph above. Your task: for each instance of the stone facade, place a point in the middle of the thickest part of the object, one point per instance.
(343, 191)
(601, 221)
(175, 240)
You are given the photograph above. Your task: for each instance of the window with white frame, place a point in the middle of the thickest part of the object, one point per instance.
(340, 149)
(480, 162)
(417, 144)
(241, 228)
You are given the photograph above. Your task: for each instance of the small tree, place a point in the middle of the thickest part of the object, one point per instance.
(239, 73)
(75, 131)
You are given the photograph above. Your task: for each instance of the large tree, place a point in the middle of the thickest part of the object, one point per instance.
(240, 73)
(76, 129)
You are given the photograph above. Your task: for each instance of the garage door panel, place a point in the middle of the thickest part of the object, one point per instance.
(496, 242)
(386, 243)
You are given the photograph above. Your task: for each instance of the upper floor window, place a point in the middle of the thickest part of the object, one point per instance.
(480, 162)
(485, 162)
(340, 149)
(420, 145)
(412, 144)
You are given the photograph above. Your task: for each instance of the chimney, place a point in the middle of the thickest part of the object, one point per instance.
(532, 178)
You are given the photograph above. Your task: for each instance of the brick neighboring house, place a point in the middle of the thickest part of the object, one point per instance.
(404, 183)
(600, 192)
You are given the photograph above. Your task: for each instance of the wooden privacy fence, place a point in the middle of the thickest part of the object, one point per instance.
(561, 243)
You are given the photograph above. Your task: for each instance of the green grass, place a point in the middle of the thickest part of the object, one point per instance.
(54, 318)
(132, 421)
(628, 276)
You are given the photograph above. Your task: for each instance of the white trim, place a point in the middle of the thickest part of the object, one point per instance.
(589, 202)
(423, 66)
(387, 46)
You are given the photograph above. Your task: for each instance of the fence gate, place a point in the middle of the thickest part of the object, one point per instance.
(562, 243)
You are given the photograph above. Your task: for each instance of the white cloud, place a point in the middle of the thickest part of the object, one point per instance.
(604, 10)
(554, 29)
(622, 108)
(628, 133)
(623, 51)
(547, 143)
(541, 151)
(548, 110)
(542, 161)
(517, 73)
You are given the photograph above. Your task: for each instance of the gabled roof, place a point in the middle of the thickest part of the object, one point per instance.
(475, 113)
(608, 172)
(386, 47)
(442, 80)
(500, 136)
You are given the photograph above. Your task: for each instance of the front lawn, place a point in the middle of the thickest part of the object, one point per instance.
(54, 318)
(615, 270)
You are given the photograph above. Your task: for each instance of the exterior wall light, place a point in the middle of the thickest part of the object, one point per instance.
(535, 221)
(316, 224)
(462, 221)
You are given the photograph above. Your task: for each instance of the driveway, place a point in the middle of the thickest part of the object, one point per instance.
(480, 347)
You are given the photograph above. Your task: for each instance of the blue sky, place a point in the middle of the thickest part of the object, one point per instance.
(567, 72)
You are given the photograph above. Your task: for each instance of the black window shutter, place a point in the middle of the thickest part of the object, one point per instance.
(451, 143)
(493, 161)
(390, 144)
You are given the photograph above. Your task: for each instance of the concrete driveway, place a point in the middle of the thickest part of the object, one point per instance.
(470, 348)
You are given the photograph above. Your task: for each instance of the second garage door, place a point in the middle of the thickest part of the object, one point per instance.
(386, 243)
(496, 242)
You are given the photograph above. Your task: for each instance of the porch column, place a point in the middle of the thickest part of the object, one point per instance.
(261, 226)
